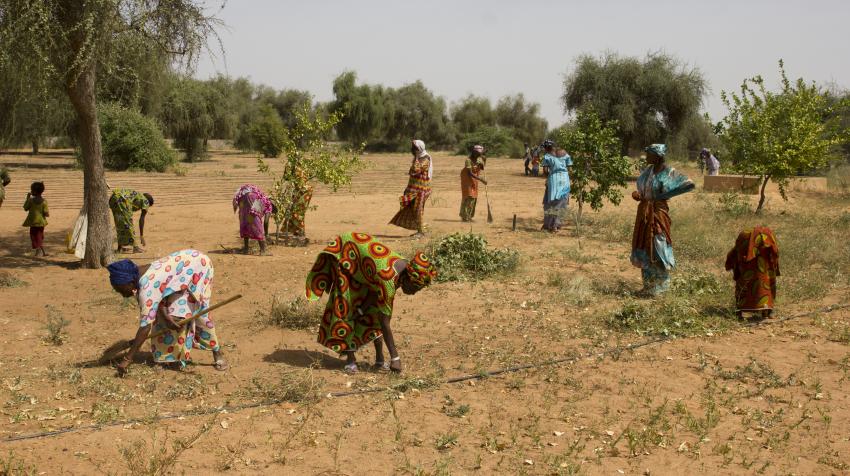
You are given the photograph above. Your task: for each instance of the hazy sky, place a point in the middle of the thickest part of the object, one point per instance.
(498, 47)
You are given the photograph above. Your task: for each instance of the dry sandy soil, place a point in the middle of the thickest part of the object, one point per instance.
(768, 399)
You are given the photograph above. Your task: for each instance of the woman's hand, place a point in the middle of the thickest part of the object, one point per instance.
(169, 323)
(122, 367)
(636, 196)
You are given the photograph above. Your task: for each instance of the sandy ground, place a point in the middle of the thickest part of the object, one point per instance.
(770, 399)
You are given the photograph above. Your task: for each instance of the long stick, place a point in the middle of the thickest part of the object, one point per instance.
(121, 346)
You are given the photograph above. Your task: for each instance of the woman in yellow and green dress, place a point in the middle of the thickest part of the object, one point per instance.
(124, 202)
(170, 290)
(418, 190)
(361, 276)
(469, 178)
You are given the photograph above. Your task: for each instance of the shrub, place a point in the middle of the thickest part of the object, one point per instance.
(267, 134)
(497, 141)
(464, 256)
(56, 324)
(132, 141)
(297, 314)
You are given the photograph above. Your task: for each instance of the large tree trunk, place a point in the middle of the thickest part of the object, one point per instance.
(99, 235)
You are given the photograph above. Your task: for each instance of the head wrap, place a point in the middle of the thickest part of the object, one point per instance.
(478, 148)
(420, 270)
(657, 149)
(548, 143)
(421, 152)
(123, 272)
(705, 151)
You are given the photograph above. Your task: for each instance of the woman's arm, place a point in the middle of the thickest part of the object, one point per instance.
(141, 336)
(28, 202)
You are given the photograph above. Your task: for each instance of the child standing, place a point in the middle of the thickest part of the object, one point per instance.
(37, 217)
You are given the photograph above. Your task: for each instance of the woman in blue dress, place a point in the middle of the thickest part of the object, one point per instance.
(652, 246)
(557, 195)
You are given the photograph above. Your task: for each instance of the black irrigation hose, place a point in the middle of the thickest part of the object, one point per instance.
(462, 378)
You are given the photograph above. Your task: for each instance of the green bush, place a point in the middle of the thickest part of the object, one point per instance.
(464, 256)
(267, 133)
(130, 140)
(497, 141)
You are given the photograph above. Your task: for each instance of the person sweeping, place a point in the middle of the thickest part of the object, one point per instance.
(168, 290)
(470, 175)
(361, 277)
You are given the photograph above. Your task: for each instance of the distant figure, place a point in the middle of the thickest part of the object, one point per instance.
(557, 194)
(652, 245)
(36, 220)
(469, 178)
(712, 165)
(123, 202)
(418, 190)
(4, 180)
(254, 208)
(754, 262)
(535, 162)
(527, 159)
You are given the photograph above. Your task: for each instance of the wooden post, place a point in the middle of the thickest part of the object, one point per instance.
(513, 228)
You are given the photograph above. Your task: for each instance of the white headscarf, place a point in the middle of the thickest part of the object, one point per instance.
(421, 152)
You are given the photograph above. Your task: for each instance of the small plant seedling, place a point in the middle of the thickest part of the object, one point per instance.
(56, 324)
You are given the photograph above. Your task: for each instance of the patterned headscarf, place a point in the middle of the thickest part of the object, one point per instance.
(123, 272)
(421, 152)
(478, 148)
(262, 206)
(657, 149)
(420, 270)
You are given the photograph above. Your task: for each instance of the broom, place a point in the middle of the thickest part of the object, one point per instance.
(489, 211)
(123, 345)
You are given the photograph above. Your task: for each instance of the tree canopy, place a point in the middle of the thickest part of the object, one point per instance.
(651, 99)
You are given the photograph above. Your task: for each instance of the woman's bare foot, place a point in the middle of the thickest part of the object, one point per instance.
(244, 251)
(395, 364)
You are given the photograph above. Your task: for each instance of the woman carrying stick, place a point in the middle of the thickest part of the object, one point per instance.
(168, 290)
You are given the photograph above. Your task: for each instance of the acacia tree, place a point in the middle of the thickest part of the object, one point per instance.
(777, 135)
(71, 41)
(651, 99)
(599, 171)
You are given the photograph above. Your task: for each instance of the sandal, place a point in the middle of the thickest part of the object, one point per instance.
(221, 365)
(379, 366)
(351, 368)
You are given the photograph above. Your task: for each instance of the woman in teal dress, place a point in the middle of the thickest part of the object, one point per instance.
(652, 246)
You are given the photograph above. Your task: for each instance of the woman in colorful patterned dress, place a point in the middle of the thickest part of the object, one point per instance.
(557, 194)
(652, 246)
(254, 210)
(754, 262)
(169, 290)
(124, 202)
(361, 277)
(301, 194)
(469, 178)
(418, 190)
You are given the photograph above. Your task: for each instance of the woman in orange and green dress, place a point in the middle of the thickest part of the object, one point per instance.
(361, 276)
(301, 194)
(417, 192)
(754, 262)
(469, 178)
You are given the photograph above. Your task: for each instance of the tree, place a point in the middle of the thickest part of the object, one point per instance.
(471, 114)
(72, 41)
(599, 171)
(268, 134)
(307, 157)
(30, 111)
(651, 100)
(777, 135)
(523, 118)
(132, 141)
(360, 109)
(194, 112)
(497, 141)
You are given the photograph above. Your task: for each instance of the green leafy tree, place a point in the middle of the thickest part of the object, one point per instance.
(268, 135)
(308, 158)
(777, 135)
(651, 99)
(361, 109)
(72, 42)
(599, 171)
(515, 113)
(497, 141)
(471, 114)
(194, 112)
